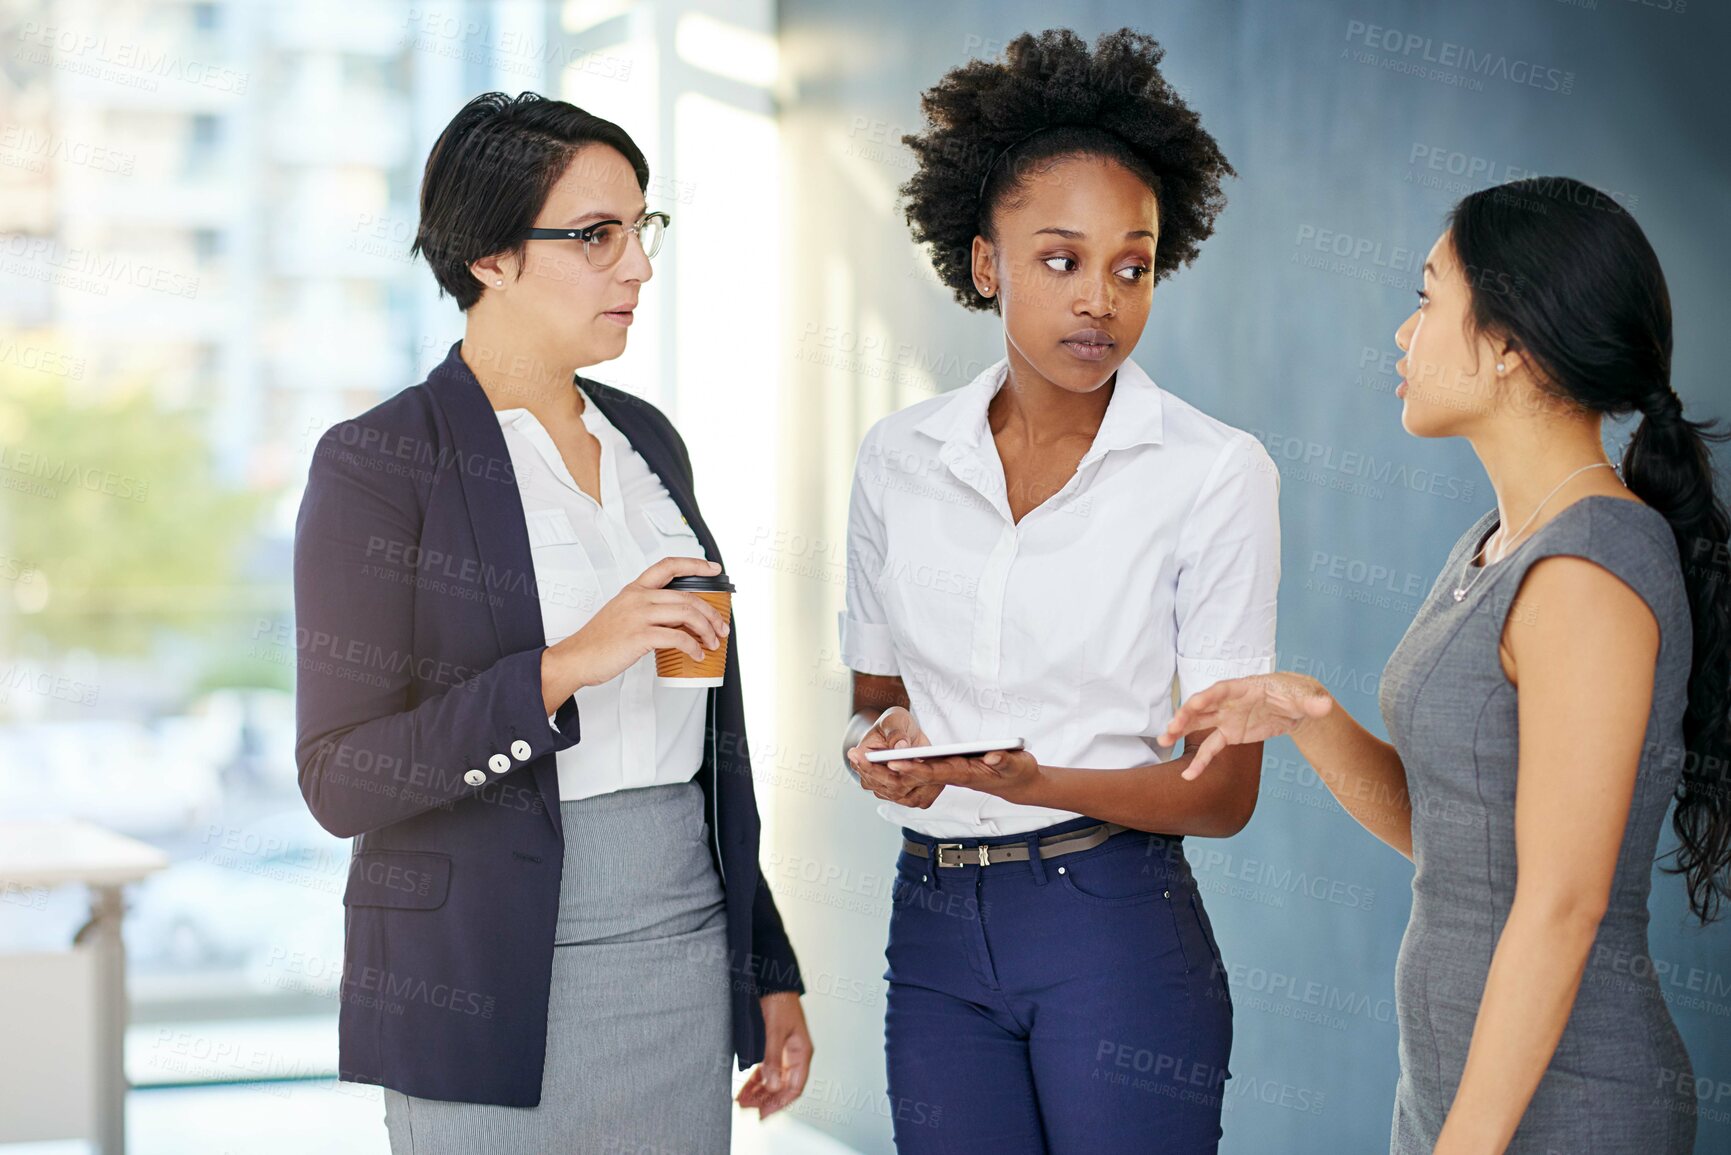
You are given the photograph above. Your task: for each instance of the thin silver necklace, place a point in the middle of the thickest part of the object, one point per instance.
(1465, 585)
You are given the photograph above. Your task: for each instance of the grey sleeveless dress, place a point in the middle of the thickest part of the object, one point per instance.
(1620, 1080)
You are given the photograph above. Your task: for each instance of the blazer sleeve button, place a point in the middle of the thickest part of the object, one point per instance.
(498, 763)
(520, 750)
(475, 778)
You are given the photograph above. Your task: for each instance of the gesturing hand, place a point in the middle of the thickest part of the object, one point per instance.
(1241, 710)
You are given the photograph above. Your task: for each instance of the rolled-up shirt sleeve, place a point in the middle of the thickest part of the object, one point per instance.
(1229, 570)
(866, 645)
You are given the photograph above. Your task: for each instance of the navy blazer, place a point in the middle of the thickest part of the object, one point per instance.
(422, 733)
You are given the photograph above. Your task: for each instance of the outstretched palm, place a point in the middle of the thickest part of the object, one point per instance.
(1241, 710)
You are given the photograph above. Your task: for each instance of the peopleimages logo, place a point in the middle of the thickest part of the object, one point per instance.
(99, 55)
(36, 148)
(45, 258)
(1282, 879)
(1306, 457)
(390, 875)
(1411, 49)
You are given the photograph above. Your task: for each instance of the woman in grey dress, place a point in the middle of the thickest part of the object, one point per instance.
(1564, 680)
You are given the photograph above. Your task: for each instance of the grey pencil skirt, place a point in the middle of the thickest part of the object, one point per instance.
(639, 1042)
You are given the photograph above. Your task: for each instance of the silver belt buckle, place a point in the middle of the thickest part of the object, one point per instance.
(985, 857)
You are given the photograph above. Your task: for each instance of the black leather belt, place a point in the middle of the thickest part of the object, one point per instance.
(989, 854)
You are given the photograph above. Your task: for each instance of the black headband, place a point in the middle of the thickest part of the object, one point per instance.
(1005, 151)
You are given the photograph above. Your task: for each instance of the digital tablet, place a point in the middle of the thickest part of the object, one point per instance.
(946, 750)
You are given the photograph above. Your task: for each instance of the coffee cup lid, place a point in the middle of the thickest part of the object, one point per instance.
(713, 584)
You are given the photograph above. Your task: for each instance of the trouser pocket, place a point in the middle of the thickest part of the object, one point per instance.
(1216, 967)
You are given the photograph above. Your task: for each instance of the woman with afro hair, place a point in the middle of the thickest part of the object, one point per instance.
(1046, 552)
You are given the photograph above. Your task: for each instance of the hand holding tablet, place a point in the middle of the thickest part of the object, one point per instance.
(971, 749)
(915, 773)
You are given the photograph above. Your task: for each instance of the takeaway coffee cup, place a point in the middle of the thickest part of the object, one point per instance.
(676, 667)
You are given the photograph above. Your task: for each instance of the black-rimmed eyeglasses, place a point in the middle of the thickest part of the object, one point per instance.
(604, 241)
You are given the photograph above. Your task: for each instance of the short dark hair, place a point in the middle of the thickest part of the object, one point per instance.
(1059, 98)
(489, 174)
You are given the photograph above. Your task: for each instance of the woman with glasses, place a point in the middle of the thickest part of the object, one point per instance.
(557, 933)
(1041, 553)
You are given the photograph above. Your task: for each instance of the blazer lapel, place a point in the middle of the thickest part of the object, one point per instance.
(629, 415)
(483, 463)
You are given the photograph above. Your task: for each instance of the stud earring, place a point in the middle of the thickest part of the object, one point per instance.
(501, 282)
(1499, 366)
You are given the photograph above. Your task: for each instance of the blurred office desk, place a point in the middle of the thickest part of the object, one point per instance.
(62, 1061)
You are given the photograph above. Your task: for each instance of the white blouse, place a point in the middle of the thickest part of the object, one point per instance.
(1153, 570)
(636, 732)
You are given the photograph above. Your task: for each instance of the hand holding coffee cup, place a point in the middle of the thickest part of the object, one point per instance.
(674, 665)
(646, 616)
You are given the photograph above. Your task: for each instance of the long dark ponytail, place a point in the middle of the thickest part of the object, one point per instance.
(1580, 292)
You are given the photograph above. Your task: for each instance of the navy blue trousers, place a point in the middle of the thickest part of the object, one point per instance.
(1055, 1007)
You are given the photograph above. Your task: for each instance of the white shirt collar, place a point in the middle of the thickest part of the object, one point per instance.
(520, 419)
(527, 426)
(1133, 416)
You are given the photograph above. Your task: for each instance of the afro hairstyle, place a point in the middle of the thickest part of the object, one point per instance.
(1062, 100)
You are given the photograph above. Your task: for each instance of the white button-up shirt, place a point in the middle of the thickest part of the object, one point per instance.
(636, 732)
(1153, 570)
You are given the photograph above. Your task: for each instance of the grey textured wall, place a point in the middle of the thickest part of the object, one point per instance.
(1339, 149)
